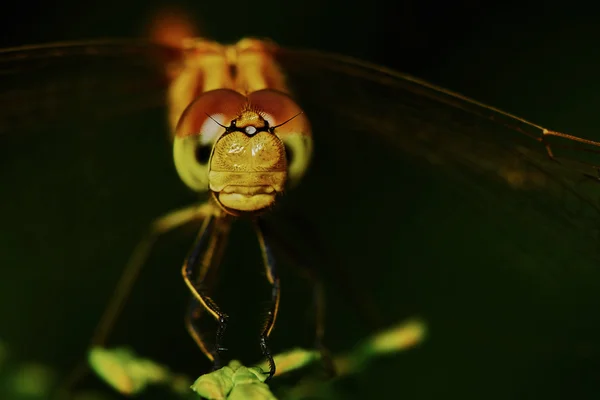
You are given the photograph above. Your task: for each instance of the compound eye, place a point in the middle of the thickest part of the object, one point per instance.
(298, 150)
(294, 131)
(199, 127)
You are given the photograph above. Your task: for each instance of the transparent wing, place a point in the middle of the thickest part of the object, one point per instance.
(440, 127)
(79, 81)
(483, 223)
(85, 158)
(417, 116)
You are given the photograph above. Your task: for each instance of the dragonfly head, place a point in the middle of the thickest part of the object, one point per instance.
(245, 155)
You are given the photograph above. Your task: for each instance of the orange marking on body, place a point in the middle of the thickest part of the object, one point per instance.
(171, 27)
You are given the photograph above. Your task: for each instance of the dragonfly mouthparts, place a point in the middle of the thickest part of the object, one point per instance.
(241, 201)
(248, 190)
(244, 191)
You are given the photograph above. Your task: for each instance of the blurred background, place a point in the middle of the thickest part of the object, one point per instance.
(512, 313)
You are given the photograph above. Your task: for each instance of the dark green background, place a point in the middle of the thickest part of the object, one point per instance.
(511, 294)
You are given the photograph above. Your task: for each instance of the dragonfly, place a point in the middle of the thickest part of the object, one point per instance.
(251, 126)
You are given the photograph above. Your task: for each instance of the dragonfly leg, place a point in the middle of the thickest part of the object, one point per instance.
(138, 259)
(191, 322)
(158, 227)
(311, 274)
(206, 252)
(269, 262)
(205, 278)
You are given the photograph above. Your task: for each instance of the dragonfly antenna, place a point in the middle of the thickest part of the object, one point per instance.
(217, 122)
(283, 123)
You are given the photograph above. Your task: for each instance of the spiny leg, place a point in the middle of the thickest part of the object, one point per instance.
(158, 227)
(206, 277)
(310, 273)
(197, 255)
(193, 314)
(273, 279)
(138, 259)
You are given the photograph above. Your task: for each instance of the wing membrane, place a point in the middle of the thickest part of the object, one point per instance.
(85, 158)
(439, 125)
(81, 80)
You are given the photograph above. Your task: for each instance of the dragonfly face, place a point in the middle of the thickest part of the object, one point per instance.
(248, 165)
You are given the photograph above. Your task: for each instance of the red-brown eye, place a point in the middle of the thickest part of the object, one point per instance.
(197, 131)
(292, 127)
(221, 102)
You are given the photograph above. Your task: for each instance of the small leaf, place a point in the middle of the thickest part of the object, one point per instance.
(32, 380)
(124, 372)
(251, 391)
(215, 385)
(234, 382)
(292, 360)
